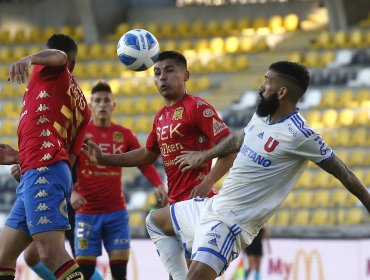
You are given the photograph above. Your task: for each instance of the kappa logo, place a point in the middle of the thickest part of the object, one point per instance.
(42, 181)
(43, 94)
(41, 193)
(213, 242)
(42, 168)
(201, 176)
(44, 221)
(42, 120)
(260, 135)
(29, 224)
(46, 144)
(45, 132)
(42, 108)
(46, 157)
(42, 207)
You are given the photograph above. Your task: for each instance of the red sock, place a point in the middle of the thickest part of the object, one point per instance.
(70, 270)
(7, 273)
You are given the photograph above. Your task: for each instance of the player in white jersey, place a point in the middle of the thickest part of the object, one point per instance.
(273, 152)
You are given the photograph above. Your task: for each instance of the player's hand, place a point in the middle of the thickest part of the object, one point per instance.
(93, 151)
(77, 200)
(190, 160)
(8, 155)
(19, 70)
(162, 196)
(202, 190)
(16, 172)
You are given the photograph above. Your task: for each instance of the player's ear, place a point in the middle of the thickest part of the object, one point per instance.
(187, 76)
(114, 105)
(282, 93)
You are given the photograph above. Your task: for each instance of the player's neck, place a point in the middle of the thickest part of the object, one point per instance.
(282, 112)
(173, 100)
(102, 123)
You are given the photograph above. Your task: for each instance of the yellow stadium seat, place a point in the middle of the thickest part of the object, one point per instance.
(320, 217)
(246, 44)
(360, 137)
(5, 54)
(303, 199)
(346, 117)
(5, 36)
(344, 137)
(283, 218)
(204, 83)
(96, 51)
(127, 105)
(34, 49)
(128, 122)
(154, 28)
(231, 44)
(323, 40)
(143, 124)
(228, 64)
(228, 26)
(363, 96)
(168, 30)
(136, 220)
(296, 57)
(19, 52)
(291, 22)
(217, 45)
(213, 28)
(168, 45)
(20, 37)
(313, 117)
(197, 28)
(35, 35)
(121, 29)
(330, 117)
(183, 29)
(312, 59)
(360, 173)
(362, 117)
(354, 216)
(127, 87)
(115, 85)
(276, 23)
(155, 104)
(321, 180)
(340, 39)
(329, 98)
(79, 71)
(67, 30)
(109, 69)
(184, 45)
(48, 32)
(83, 51)
(367, 178)
(259, 22)
(339, 198)
(201, 45)
(141, 105)
(93, 70)
(4, 73)
(9, 127)
(151, 200)
(357, 157)
(243, 23)
(86, 86)
(241, 62)
(305, 181)
(289, 200)
(8, 91)
(321, 198)
(356, 38)
(346, 98)
(327, 57)
(301, 218)
(79, 33)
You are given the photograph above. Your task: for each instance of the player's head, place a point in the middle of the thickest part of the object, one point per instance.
(66, 44)
(101, 103)
(171, 74)
(285, 83)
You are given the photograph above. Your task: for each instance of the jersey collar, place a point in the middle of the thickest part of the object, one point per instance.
(269, 122)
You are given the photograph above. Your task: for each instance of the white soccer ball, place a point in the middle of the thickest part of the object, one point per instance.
(138, 49)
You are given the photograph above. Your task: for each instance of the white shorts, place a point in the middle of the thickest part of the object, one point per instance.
(210, 240)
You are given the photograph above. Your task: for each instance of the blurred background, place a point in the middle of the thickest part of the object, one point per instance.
(229, 45)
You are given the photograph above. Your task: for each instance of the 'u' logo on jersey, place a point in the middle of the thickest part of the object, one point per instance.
(271, 144)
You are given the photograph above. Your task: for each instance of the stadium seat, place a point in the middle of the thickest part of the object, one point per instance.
(185, 45)
(93, 70)
(356, 39)
(296, 56)
(9, 127)
(276, 24)
(354, 216)
(327, 57)
(291, 22)
(362, 117)
(35, 35)
(313, 117)
(216, 45)
(231, 44)
(67, 30)
(125, 106)
(168, 45)
(319, 217)
(5, 36)
(96, 51)
(357, 157)
(329, 117)
(343, 138)
(346, 117)
(321, 198)
(203, 83)
(303, 199)
(141, 105)
(167, 30)
(183, 29)
(312, 59)
(127, 87)
(48, 32)
(305, 181)
(360, 137)
(339, 198)
(241, 62)
(246, 44)
(197, 28)
(5, 54)
(143, 124)
(19, 52)
(259, 22)
(79, 33)
(228, 26)
(289, 200)
(20, 37)
(202, 45)
(115, 85)
(154, 28)
(4, 73)
(321, 180)
(301, 217)
(323, 40)
(243, 23)
(155, 104)
(213, 28)
(283, 218)
(136, 220)
(340, 39)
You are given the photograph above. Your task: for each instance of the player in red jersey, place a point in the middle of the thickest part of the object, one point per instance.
(186, 123)
(51, 130)
(101, 214)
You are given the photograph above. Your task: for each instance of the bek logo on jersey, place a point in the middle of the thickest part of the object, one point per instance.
(271, 144)
(177, 115)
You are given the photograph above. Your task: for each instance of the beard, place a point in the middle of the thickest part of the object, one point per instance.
(267, 106)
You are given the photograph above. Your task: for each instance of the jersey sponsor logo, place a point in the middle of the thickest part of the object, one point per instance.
(271, 144)
(42, 207)
(213, 242)
(42, 108)
(260, 135)
(46, 144)
(260, 160)
(43, 94)
(41, 193)
(177, 115)
(46, 157)
(118, 136)
(44, 221)
(167, 149)
(42, 120)
(208, 113)
(169, 132)
(45, 133)
(217, 127)
(41, 181)
(169, 162)
(324, 149)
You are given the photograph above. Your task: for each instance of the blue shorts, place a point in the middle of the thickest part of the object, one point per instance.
(42, 196)
(91, 229)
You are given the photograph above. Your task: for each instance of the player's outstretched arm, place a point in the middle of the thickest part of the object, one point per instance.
(193, 160)
(338, 168)
(8, 155)
(19, 70)
(133, 158)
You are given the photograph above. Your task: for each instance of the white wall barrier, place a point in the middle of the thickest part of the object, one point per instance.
(289, 259)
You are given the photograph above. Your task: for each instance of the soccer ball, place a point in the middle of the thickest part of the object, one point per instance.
(138, 49)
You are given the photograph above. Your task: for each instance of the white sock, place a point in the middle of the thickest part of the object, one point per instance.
(169, 250)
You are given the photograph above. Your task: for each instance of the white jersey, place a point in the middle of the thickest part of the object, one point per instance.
(270, 161)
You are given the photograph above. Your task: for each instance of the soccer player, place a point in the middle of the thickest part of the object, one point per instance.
(273, 152)
(186, 122)
(101, 214)
(51, 131)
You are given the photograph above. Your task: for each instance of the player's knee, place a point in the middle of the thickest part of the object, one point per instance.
(162, 219)
(154, 231)
(31, 256)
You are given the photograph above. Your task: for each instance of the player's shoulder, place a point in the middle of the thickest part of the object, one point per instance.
(195, 101)
(298, 127)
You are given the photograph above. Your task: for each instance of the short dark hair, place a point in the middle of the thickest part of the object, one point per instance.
(62, 42)
(295, 74)
(178, 57)
(101, 85)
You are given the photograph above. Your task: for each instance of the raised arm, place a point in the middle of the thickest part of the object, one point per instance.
(50, 57)
(338, 168)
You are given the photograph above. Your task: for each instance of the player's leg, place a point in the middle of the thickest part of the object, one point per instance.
(87, 242)
(32, 259)
(70, 233)
(116, 240)
(12, 243)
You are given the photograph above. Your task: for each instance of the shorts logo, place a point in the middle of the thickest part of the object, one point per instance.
(43, 168)
(271, 144)
(213, 242)
(42, 181)
(83, 244)
(44, 221)
(29, 224)
(42, 207)
(41, 193)
(208, 113)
